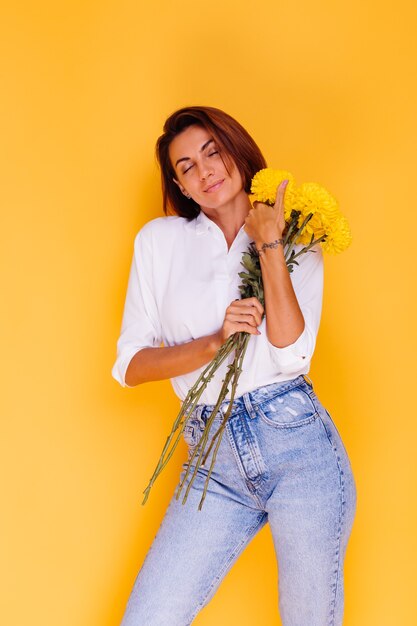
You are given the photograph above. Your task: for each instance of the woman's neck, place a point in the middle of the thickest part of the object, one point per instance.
(230, 217)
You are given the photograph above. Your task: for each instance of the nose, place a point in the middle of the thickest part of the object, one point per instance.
(204, 171)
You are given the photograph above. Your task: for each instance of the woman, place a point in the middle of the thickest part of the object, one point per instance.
(281, 459)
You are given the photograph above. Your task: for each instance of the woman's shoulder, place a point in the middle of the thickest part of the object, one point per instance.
(165, 226)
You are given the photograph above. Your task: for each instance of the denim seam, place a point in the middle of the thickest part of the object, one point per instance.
(283, 388)
(240, 467)
(236, 550)
(278, 425)
(303, 385)
(261, 468)
(281, 392)
(341, 519)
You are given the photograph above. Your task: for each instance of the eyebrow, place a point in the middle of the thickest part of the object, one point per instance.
(201, 150)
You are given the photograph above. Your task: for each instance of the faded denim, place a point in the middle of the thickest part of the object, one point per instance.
(281, 460)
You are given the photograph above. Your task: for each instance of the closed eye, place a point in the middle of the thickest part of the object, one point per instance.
(211, 154)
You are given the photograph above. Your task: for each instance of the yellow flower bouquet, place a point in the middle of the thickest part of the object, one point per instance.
(312, 217)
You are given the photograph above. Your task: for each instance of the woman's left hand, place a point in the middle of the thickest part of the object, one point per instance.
(265, 223)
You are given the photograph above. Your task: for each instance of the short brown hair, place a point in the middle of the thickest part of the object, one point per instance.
(234, 143)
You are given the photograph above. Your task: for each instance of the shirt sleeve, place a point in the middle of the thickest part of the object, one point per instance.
(140, 323)
(307, 281)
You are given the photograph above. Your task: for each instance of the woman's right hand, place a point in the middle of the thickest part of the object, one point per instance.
(241, 315)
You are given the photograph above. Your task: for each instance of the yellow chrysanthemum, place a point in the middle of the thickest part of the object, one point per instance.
(339, 236)
(264, 188)
(326, 220)
(314, 227)
(313, 198)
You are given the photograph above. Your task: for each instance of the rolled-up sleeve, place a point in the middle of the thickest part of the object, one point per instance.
(140, 323)
(307, 281)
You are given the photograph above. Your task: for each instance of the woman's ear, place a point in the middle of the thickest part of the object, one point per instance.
(181, 187)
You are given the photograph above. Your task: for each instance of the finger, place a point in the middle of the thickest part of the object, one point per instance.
(253, 302)
(241, 319)
(254, 308)
(245, 328)
(246, 301)
(245, 310)
(280, 193)
(281, 190)
(253, 319)
(256, 202)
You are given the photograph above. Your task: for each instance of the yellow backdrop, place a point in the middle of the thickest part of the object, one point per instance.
(328, 91)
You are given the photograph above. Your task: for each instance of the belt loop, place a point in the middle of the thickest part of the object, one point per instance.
(248, 405)
(308, 380)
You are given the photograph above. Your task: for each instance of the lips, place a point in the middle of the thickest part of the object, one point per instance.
(215, 186)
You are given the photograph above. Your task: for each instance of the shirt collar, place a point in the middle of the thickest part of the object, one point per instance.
(204, 223)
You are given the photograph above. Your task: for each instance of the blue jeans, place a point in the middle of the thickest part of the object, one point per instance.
(281, 460)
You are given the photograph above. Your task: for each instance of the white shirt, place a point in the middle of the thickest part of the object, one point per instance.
(182, 279)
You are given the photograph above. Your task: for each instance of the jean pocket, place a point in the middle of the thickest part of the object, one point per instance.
(290, 409)
(195, 426)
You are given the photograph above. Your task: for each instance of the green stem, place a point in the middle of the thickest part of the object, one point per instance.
(221, 427)
(307, 248)
(200, 445)
(293, 239)
(204, 435)
(191, 399)
(237, 371)
(291, 227)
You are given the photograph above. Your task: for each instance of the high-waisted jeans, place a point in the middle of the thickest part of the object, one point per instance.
(281, 460)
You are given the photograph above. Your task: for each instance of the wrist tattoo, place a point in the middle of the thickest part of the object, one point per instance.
(273, 244)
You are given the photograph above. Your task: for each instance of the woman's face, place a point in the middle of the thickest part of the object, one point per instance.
(200, 171)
